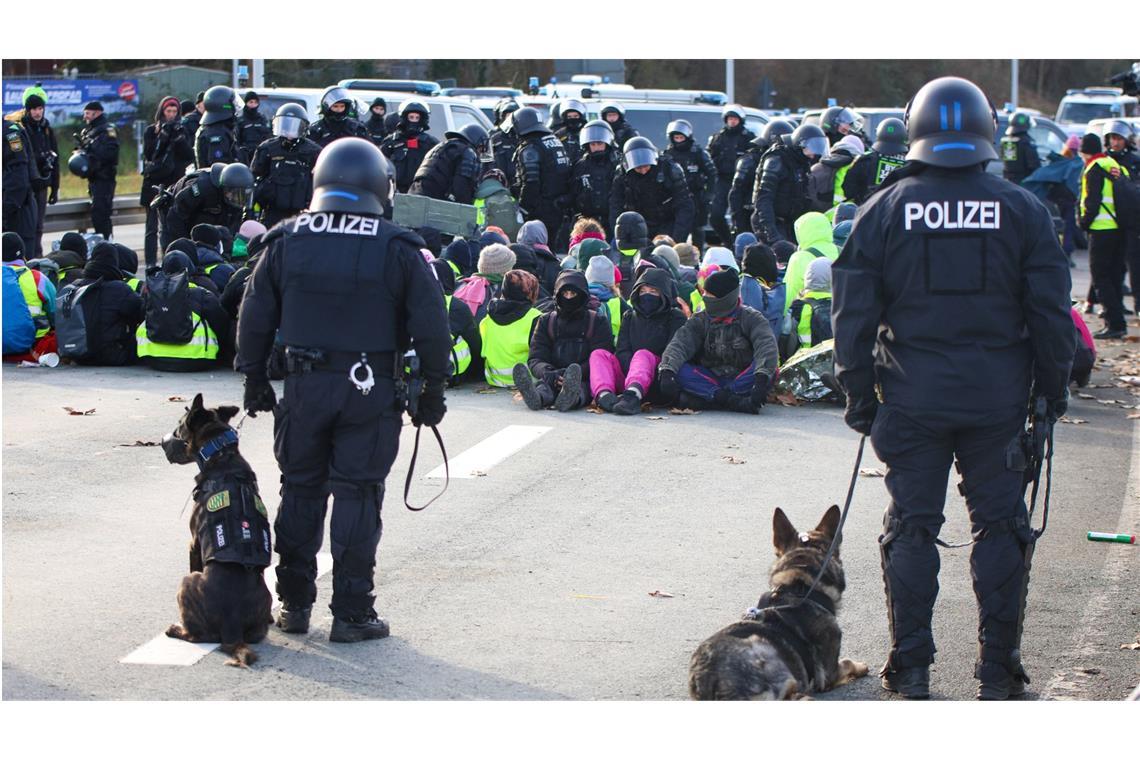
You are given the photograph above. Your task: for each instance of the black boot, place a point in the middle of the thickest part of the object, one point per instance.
(358, 628)
(912, 683)
(1109, 334)
(686, 400)
(606, 401)
(742, 404)
(527, 387)
(629, 403)
(295, 620)
(997, 682)
(571, 394)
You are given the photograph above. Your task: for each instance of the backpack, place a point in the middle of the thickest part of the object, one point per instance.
(169, 317)
(767, 301)
(71, 322)
(789, 340)
(476, 292)
(500, 209)
(1126, 198)
(19, 329)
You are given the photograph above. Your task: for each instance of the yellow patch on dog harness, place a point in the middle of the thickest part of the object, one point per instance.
(221, 500)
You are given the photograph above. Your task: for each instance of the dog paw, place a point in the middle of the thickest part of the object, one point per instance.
(176, 632)
(236, 663)
(849, 670)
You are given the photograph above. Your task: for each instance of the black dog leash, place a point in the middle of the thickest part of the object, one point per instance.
(412, 469)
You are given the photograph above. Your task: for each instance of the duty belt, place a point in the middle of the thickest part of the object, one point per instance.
(300, 360)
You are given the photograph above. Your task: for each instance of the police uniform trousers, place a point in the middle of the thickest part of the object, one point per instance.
(329, 438)
(718, 207)
(1107, 265)
(102, 192)
(701, 218)
(22, 221)
(918, 447)
(41, 211)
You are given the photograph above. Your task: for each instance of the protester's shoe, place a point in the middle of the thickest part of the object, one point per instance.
(606, 401)
(358, 628)
(742, 404)
(912, 683)
(688, 401)
(295, 620)
(571, 394)
(525, 383)
(996, 683)
(628, 404)
(1108, 334)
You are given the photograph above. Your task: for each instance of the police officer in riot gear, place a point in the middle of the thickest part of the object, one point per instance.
(100, 143)
(744, 177)
(337, 427)
(1019, 156)
(700, 172)
(870, 170)
(410, 143)
(377, 129)
(219, 195)
(613, 113)
(282, 166)
(452, 169)
(216, 140)
(951, 311)
(253, 127)
(726, 147)
(655, 187)
(593, 174)
(504, 141)
(572, 117)
(338, 118)
(782, 183)
(838, 122)
(45, 152)
(542, 173)
(20, 179)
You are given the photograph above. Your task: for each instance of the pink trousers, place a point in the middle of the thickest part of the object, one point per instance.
(606, 374)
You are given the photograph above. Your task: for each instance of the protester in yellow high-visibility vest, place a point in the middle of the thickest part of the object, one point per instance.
(506, 330)
(1096, 212)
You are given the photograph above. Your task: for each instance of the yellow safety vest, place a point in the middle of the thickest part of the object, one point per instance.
(480, 205)
(504, 346)
(697, 301)
(460, 351)
(614, 307)
(804, 326)
(31, 295)
(1106, 214)
(203, 345)
(134, 283)
(837, 194)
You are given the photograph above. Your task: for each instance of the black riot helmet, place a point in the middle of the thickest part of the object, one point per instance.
(415, 106)
(236, 182)
(638, 151)
(951, 123)
(831, 119)
(732, 109)
(810, 139)
(473, 134)
(79, 164)
(773, 129)
(528, 121)
(1020, 123)
(504, 107)
(572, 104)
(219, 104)
(331, 97)
(679, 127)
(596, 131)
(352, 175)
(890, 137)
(290, 121)
(612, 106)
(1121, 129)
(554, 117)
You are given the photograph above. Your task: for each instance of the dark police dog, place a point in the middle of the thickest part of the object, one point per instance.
(781, 651)
(224, 602)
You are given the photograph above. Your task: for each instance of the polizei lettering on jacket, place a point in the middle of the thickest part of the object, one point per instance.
(953, 215)
(338, 224)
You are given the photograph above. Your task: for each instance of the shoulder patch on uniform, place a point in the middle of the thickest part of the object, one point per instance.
(220, 500)
(195, 189)
(111, 133)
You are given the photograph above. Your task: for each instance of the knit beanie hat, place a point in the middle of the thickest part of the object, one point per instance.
(74, 242)
(1073, 143)
(251, 227)
(494, 235)
(843, 212)
(743, 240)
(519, 285)
(34, 101)
(590, 248)
(818, 275)
(722, 293)
(533, 233)
(760, 262)
(13, 246)
(496, 259)
(841, 232)
(93, 105)
(1090, 144)
(686, 254)
(207, 235)
(722, 257)
(783, 250)
(669, 253)
(186, 106)
(600, 270)
(458, 252)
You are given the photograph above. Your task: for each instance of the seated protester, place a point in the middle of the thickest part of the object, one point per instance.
(248, 230)
(164, 341)
(743, 240)
(1084, 358)
(235, 289)
(602, 286)
(814, 235)
(459, 258)
(810, 313)
(725, 357)
(665, 257)
(784, 250)
(526, 259)
(646, 330)
(71, 258)
(534, 234)
(760, 288)
(29, 305)
(433, 241)
(506, 331)
(197, 276)
(210, 259)
(465, 342)
(111, 310)
(560, 349)
(841, 232)
(495, 260)
(716, 258)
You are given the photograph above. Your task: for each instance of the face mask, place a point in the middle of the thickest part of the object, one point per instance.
(570, 304)
(648, 303)
(177, 451)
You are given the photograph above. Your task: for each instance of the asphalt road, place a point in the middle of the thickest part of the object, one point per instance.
(534, 580)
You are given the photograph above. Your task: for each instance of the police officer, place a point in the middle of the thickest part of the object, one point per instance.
(782, 183)
(100, 143)
(700, 172)
(1018, 151)
(726, 147)
(216, 139)
(837, 122)
(1119, 145)
(337, 428)
(613, 113)
(219, 195)
(409, 143)
(655, 187)
(593, 174)
(951, 309)
(542, 173)
(20, 179)
(452, 169)
(193, 119)
(572, 115)
(377, 129)
(45, 151)
(283, 166)
(870, 170)
(338, 118)
(504, 141)
(744, 177)
(252, 127)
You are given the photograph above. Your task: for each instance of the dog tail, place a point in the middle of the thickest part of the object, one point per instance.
(241, 655)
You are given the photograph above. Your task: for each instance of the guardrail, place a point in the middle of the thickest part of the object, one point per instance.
(76, 214)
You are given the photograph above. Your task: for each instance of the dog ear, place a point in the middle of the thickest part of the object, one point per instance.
(784, 535)
(227, 413)
(196, 404)
(830, 522)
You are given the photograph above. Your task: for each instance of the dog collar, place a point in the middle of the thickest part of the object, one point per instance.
(216, 446)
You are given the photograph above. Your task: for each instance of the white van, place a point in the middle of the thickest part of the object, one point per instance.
(1079, 107)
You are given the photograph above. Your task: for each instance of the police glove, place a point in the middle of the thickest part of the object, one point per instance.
(259, 395)
(431, 408)
(53, 197)
(1057, 407)
(760, 391)
(667, 381)
(860, 416)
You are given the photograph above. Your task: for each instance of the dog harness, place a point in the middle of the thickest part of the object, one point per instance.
(234, 526)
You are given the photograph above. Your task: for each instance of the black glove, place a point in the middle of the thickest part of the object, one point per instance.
(667, 381)
(431, 408)
(552, 377)
(1057, 407)
(760, 391)
(259, 395)
(860, 415)
(53, 196)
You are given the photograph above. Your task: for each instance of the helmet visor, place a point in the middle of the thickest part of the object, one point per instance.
(641, 157)
(289, 127)
(596, 133)
(816, 146)
(238, 197)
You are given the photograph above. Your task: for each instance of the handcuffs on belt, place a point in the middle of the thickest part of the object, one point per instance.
(364, 386)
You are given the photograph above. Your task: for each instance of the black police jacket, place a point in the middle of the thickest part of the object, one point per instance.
(20, 174)
(406, 151)
(742, 191)
(230, 521)
(781, 191)
(952, 293)
(283, 173)
(45, 150)
(727, 145)
(100, 142)
(503, 147)
(324, 130)
(350, 283)
(661, 196)
(166, 154)
(450, 171)
(700, 171)
(570, 141)
(252, 130)
(591, 182)
(376, 129)
(542, 171)
(216, 143)
(623, 132)
(197, 200)
(868, 173)
(1018, 157)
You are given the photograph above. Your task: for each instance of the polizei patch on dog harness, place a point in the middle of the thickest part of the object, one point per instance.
(235, 527)
(218, 501)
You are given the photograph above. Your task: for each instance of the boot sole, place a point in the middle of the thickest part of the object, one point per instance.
(571, 391)
(354, 638)
(525, 385)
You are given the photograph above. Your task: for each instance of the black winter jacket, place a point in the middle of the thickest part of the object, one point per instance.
(650, 331)
(575, 336)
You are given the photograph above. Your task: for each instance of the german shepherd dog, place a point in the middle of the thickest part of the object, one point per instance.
(221, 600)
(783, 648)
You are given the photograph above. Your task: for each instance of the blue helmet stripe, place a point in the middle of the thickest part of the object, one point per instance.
(957, 116)
(340, 194)
(942, 113)
(953, 146)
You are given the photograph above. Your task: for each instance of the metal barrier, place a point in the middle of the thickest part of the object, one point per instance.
(76, 214)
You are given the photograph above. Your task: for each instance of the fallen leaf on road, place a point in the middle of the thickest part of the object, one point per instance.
(786, 399)
(517, 396)
(661, 594)
(78, 413)
(138, 443)
(1073, 421)
(683, 411)
(485, 391)
(594, 409)
(1134, 416)
(175, 398)
(1105, 401)
(1129, 380)
(1133, 645)
(1132, 339)
(733, 460)
(872, 472)
(1086, 395)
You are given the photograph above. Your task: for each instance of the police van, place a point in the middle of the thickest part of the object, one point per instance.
(1079, 107)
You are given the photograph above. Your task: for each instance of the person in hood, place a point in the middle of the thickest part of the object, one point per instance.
(112, 310)
(377, 124)
(128, 266)
(646, 330)
(210, 261)
(465, 342)
(71, 258)
(600, 277)
(458, 256)
(211, 324)
(760, 288)
(198, 278)
(557, 369)
(535, 234)
(811, 311)
(815, 238)
(825, 182)
(505, 333)
(251, 126)
(724, 357)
